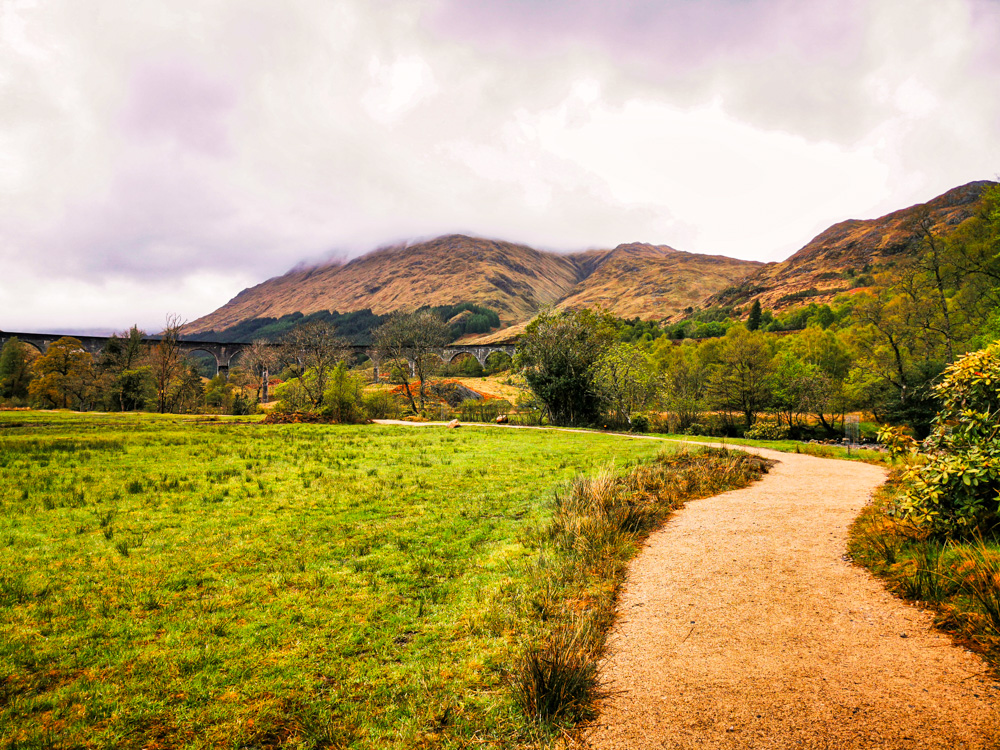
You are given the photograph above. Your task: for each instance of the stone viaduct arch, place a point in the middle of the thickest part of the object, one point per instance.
(449, 353)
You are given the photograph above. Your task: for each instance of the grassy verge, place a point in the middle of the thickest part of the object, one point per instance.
(794, 446)
(216, 582)
(958, 579)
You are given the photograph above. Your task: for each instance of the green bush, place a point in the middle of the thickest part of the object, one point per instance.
(640, 423)
(342, 397)
(380, 405)
(762, 430)
(952, 484)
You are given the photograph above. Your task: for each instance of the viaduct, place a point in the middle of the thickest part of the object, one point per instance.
(226, 353)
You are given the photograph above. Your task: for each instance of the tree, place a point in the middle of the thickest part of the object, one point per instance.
(258, 361)
(753, 321)
(311, 351)
(626, 381)
(63, 375)
(127, 381)
(408, 340)
(167, 362)
(558, 353)
(741, 381)
(684, 371)
(187, 391)
(15, 370)
(793, 382)
(827, 361)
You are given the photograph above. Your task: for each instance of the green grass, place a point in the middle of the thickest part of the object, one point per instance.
(214, 582)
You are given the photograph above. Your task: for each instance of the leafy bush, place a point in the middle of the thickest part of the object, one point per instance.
(342, 397)
(763, 430)
(952, 485)
(640, 423)
(380, 405)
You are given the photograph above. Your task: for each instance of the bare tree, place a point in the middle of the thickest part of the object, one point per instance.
(166, 360)
(412, 340)
(259, 360)
(312, 351)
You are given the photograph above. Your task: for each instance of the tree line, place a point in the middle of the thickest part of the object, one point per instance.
(312, 363)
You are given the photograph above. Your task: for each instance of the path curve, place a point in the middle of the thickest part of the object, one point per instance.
(741, 626)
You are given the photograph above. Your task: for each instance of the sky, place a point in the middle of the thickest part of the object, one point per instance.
(158, 157)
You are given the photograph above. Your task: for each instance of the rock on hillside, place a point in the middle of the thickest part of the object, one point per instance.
(832, 262)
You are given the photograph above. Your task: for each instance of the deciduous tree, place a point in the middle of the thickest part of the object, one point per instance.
(558, 353)
(15, 370)
(63, 375)
(625, 380)
(127, 380)
(412, 339)
(741, 382)
(167, 362)
(311, 351)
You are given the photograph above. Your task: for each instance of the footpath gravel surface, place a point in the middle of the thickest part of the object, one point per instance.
(742, 626)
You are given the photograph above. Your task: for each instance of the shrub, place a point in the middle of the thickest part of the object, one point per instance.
(640, 423)
(380, 405)
(951, 486)
(762, 430)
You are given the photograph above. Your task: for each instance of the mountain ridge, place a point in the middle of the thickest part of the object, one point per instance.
(631, 280)
(514, 279)
(819, 269)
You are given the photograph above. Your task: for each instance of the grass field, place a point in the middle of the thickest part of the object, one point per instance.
(214, 582)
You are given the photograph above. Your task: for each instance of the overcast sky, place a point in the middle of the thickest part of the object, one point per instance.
(158, 157)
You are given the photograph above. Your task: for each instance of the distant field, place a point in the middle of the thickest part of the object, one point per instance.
(199, 582)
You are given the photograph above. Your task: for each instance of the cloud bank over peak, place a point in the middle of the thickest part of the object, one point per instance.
(192, 149)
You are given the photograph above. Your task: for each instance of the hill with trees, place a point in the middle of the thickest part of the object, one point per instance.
(842, 259)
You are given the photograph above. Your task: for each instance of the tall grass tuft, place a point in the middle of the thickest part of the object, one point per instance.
(978, 572)
(558, 679)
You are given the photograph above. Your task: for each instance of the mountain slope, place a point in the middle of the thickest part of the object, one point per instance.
(653, 281)
(831, 262)
(515, 280)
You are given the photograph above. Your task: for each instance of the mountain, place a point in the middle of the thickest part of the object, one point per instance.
(515, 280)
(652, 281)
(841, 258)
(631, 280)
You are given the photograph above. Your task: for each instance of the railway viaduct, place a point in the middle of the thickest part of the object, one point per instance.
(227, 352)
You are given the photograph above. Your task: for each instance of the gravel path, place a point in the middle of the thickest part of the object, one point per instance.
(741, 626)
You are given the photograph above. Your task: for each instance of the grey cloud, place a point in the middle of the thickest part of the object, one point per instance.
(183, 144)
